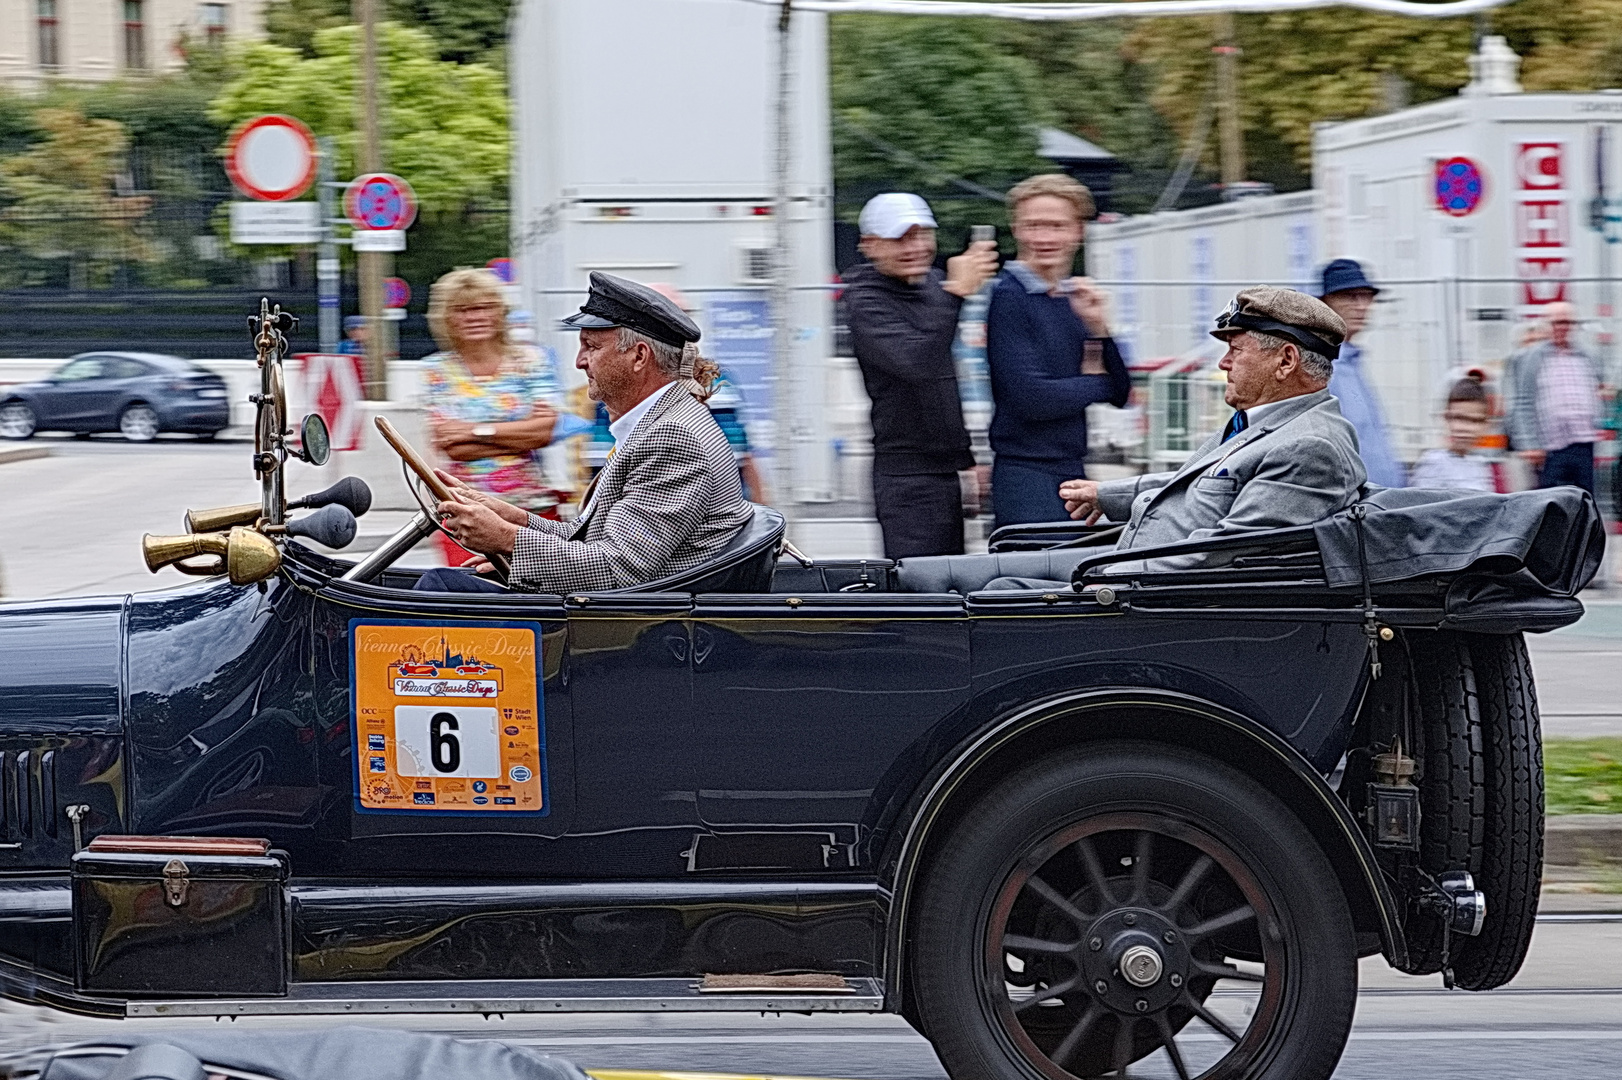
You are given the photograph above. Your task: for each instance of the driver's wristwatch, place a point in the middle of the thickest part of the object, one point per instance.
(483, 431)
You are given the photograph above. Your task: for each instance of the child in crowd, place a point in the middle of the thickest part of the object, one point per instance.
(1454, 466)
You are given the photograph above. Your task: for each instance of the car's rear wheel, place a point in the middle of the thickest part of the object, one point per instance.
(1127, 901)
(17, 420)
(138, 422)
(1512, 854)
(1452, 778)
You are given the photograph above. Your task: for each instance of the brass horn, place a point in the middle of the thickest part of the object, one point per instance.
(222, 517)
(243, 555)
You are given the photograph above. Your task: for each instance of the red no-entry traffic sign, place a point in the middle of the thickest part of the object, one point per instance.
(271, 158)
(396, 292)
(380, 201)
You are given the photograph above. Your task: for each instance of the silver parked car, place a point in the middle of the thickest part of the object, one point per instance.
(135, 394)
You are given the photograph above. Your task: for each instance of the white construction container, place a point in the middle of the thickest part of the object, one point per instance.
(1520, 170)
(644, 147)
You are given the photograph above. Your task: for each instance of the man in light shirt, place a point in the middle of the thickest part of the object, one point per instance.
(1552, 405)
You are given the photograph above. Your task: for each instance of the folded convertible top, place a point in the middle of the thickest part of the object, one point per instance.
(1546, 542)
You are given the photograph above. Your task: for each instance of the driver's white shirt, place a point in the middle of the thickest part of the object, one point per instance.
(621, 430)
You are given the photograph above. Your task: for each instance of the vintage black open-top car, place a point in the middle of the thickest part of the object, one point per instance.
(1154, 812)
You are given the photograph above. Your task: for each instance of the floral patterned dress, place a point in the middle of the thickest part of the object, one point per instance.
(527, 378)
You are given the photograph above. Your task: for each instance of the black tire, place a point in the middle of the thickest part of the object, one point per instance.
(1452, 777)
(1005, 979)
(1511, 871)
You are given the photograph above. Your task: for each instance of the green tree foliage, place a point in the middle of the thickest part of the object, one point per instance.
(467, 31)
(58, 198)
(919, 103)
(445, 124)
(1302, 68)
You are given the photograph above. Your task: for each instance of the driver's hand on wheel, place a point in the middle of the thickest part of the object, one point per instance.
(505, 510)
(1081, 499)
(476, 526)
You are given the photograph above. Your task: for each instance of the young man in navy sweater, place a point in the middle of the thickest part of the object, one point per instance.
(1050, 353)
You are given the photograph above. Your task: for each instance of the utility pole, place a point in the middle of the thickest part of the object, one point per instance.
(1227, 86)
(372, 266)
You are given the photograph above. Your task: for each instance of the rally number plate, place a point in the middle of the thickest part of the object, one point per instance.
(447, 719)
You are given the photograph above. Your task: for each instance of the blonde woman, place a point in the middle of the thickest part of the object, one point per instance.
(491, 403)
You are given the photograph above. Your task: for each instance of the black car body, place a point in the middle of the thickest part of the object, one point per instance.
(1054, 826)
(138, 394)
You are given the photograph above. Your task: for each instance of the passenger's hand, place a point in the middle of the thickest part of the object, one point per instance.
(966, 273)
(1081, 499)
(1090, 303)
(503, 509)
(476, 526)
(1534, 458)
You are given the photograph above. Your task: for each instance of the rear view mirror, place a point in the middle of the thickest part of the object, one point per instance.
(315, 444)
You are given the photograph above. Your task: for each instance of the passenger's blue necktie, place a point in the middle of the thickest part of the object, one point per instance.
(1236, 423)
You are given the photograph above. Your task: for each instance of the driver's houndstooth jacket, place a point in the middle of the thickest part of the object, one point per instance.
(668, 499)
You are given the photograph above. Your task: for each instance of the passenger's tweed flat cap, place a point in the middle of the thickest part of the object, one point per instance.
(1285, 313)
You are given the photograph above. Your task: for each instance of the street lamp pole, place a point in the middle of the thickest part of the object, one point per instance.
(785, 400)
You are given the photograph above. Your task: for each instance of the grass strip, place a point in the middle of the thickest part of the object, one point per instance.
(1583, 776)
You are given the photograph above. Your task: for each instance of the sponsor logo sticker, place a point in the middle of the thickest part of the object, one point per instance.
(378, 765)
(520, 774)
(375, 742)
(423, 798)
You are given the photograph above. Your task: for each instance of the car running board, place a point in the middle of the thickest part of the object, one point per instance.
(520, 996)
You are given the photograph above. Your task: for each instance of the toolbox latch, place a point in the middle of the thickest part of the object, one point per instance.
(175, 883)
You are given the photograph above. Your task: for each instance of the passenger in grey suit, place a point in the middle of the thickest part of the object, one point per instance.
(1286, 456)
(669, 497)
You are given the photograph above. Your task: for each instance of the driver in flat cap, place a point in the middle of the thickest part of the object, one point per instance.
(669, 497)
(1285, 457)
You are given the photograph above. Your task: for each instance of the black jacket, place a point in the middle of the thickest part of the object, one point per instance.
(903, 339)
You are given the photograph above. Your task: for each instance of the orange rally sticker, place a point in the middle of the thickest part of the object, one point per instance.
(447, 718)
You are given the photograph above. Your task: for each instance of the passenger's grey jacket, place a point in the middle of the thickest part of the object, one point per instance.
(1296, 464)
(668, 499)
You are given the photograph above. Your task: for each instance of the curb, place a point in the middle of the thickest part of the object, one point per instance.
(1581, 839)
(24, 453)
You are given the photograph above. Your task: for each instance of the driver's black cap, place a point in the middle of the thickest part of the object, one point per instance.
(615, 301)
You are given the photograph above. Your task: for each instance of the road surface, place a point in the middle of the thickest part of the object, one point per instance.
(1562, 1016)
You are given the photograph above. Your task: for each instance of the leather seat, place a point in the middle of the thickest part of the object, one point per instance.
(970, 573)
(744, 566)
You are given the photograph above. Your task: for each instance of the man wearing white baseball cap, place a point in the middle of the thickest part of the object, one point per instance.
(902, 314)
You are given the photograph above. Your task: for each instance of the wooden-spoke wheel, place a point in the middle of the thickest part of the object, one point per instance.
(1131, 910)
(1109, 938)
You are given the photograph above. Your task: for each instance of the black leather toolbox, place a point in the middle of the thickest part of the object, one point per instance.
(170, 915)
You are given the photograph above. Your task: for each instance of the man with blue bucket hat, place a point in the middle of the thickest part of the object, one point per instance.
(1351, 295)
